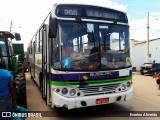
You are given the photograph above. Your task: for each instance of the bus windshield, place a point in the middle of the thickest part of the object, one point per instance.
(90, 46)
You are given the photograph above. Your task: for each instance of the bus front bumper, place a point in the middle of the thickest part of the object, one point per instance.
(84, 101)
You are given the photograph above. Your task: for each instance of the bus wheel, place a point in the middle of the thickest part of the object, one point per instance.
(31, 77)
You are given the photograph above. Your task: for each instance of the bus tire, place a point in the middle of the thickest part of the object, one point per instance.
(32, 77)
(40, 81)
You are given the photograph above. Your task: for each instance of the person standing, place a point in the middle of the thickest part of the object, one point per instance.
(7, 92)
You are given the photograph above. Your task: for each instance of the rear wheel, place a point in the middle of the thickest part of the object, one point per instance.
(32, 77)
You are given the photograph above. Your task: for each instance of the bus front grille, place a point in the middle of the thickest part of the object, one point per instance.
(99, 89)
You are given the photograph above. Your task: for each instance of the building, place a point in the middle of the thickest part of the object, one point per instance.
(139, 52)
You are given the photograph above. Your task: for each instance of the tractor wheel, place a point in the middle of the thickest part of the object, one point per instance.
(21, 69)
(20, 85)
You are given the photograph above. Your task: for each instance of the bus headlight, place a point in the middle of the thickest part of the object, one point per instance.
(64, 91)
(56, 90)
(72, 92)
(128, 84)
(123, 87)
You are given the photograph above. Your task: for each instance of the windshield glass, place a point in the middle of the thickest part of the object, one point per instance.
(3, 53)
(90, 46)
(3, 50)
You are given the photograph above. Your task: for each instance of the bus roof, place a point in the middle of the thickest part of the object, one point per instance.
(88, 12)
(84, 4)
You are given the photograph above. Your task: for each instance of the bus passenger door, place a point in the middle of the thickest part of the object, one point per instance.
(44, 62)
(46, 90)
(48, 67)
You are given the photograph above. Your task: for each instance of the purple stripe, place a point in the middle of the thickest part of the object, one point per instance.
(79, 76)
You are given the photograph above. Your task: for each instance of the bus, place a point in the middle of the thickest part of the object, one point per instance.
(80, 56)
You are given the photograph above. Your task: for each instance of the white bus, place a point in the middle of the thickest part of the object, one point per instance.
(80, 56)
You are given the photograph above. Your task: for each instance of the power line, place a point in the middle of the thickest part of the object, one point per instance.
(155, 29)
(145, 26)
(138, 28)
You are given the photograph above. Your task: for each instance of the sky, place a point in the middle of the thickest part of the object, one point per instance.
(27, 16)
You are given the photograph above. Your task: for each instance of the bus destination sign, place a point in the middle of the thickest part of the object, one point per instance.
(90, 12)
(101, 14)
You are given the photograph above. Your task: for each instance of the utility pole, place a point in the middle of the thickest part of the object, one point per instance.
(148, 38)
(11, 26)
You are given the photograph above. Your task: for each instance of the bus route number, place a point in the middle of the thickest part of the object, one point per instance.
(70, 12)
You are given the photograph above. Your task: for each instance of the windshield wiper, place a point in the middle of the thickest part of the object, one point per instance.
(108, 32)
(111, 27)
(85, 29)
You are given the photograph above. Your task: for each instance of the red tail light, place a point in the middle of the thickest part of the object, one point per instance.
(153, 69)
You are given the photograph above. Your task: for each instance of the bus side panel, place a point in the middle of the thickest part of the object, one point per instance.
(32, 60)
(38, 67)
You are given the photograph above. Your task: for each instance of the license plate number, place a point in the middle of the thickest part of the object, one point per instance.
(102, 100)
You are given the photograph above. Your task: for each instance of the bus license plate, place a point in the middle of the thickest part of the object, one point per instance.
(102, 100)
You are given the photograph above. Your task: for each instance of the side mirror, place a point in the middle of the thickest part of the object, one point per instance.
(52, 27)
(1, 35)
(17, 36)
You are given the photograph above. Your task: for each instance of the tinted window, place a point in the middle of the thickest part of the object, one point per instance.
(156, 66)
